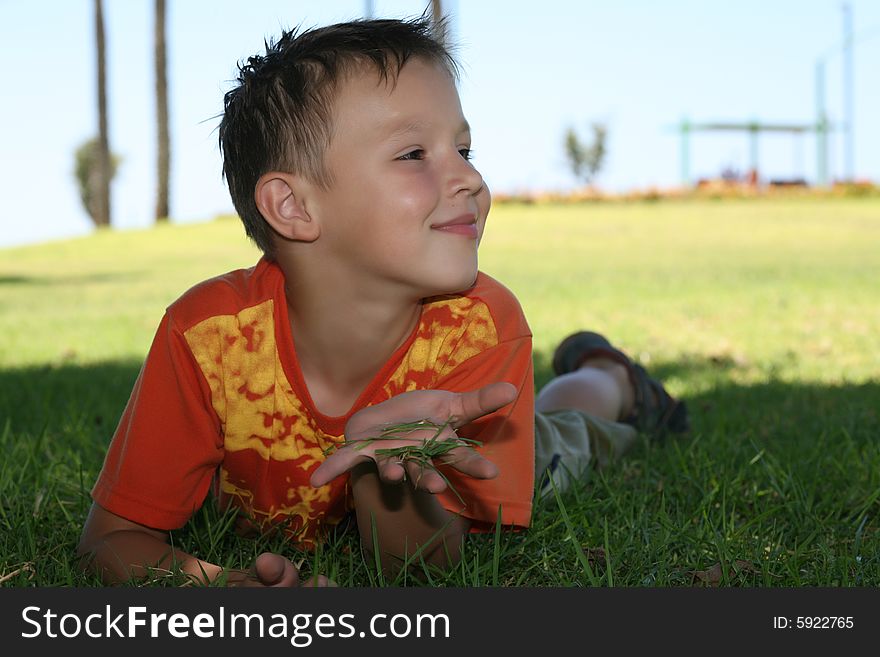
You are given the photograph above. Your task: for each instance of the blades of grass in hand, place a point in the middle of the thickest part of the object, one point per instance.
(577, 546)
(423, 454)
(448, 483)
(392, 432)
(356, 444)
(416, 454)
(404, 428)
(427, 450)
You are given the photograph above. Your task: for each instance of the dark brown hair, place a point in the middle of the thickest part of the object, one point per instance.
(278, 116)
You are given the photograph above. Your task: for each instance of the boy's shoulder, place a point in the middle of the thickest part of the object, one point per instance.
(230, 293)
(226, 294)
(502, 305)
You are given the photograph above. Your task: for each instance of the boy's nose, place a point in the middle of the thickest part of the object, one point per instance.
(464, 177)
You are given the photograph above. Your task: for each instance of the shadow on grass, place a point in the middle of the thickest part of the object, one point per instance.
(77, 279)
(50, 397)
(781, 477)
(813, 448)
(92, 397)
(686, 368)
(16, 280)
(780, 409)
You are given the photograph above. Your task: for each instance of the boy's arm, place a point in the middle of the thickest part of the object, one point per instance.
(169, 412)
(120, 550)
(410, 522)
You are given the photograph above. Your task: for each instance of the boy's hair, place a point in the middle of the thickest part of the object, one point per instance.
(278, 117)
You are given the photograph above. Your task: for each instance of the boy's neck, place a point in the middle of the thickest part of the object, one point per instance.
(344, 337)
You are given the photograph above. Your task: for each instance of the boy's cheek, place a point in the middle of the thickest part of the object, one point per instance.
(484, 200)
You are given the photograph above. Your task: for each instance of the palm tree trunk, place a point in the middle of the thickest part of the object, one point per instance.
(164, 146)
(436, 17)
(102, 193)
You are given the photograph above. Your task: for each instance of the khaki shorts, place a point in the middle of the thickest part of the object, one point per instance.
(569, 443)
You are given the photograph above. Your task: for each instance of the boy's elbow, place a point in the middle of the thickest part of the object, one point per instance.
(87, 546)
(114, 548)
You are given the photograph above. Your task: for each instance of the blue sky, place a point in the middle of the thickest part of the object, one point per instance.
(531, 69)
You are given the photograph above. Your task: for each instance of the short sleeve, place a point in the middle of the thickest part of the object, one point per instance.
(168, 443)
(507, 437)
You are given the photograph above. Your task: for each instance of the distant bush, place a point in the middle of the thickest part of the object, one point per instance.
(86, 173)
(586, 159)
(856, 188)
(712, 190)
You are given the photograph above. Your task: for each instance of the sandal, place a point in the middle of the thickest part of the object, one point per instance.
(655, 411)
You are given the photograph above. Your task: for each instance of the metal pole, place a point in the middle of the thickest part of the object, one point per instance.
(685, 153)
(753, 147)
(821, 127)
(848, 104)
(368, 9)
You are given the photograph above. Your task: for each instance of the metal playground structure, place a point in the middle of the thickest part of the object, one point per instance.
(821, 127)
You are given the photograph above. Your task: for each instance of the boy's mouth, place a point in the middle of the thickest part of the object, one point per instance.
(465, 225)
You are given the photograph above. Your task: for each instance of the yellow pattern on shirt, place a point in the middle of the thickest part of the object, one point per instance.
(260, 413)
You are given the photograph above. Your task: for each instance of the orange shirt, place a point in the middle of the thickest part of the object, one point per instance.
(221, 399)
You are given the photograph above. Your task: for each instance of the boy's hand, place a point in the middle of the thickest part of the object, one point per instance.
(273, 570)
(435, 405)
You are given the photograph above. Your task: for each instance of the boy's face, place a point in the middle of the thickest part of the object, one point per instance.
(406, 208)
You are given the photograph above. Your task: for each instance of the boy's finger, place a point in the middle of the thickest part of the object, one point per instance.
(424, 478)
(289, 576)
(274, 570)
(336, 464)
(390, 470)
(477, 403)
(463, 459)
(467, 461)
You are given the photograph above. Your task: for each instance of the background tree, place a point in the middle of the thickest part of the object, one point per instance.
(586, 160)
(101, 207)
(163, 164)
(88, 176)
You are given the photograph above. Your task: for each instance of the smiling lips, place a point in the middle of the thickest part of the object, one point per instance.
(465, 225)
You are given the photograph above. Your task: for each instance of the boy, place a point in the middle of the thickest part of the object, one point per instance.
(348, 159)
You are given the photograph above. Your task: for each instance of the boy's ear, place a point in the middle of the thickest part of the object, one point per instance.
(277, 198)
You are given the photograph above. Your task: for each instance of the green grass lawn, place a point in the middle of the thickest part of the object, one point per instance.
(763, 314)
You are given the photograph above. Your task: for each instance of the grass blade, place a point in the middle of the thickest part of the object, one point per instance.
(585, 563)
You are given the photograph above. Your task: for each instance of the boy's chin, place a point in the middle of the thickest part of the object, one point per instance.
(454, 282)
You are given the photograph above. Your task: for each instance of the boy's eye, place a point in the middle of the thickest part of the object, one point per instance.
(416, 154)
(419, 154)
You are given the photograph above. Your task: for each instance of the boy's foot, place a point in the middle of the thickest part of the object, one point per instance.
(654, 412)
